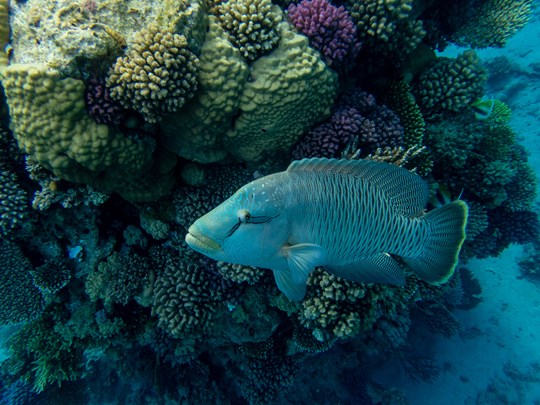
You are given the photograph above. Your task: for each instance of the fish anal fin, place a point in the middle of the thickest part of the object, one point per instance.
(302, 259)
(379, 268)
(293, 291)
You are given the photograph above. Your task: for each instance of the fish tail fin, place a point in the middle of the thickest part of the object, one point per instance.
(446, 225)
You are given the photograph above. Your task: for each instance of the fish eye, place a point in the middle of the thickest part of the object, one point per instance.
(243, 216)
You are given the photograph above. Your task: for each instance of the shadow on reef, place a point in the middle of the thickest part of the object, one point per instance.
(129, 122)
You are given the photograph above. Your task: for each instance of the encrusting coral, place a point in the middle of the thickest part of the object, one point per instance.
(195, 132)
(51, 124)
(157, 75)
(4, 32)
(290, 90)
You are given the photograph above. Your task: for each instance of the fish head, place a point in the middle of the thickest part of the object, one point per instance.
(249, 228)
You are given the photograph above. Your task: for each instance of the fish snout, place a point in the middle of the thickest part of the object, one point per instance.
(202, 243)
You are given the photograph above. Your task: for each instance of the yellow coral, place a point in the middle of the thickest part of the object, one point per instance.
(4, 32)
(290, 90)
(51, 124)
(252, 25)
(195, 132)
(157, 75)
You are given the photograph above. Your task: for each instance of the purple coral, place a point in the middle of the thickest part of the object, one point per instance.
(100, 104)
(357, 117)
(330, 29)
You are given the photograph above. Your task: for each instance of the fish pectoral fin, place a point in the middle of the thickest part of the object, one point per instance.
(379, 268)
(292, 290)
(302, 259)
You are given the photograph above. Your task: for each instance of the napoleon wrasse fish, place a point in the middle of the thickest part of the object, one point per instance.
(351, 216)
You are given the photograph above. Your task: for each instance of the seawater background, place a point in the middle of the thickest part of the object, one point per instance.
(496, 358)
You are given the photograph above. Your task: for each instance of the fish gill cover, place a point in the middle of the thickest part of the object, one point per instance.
(125, 122)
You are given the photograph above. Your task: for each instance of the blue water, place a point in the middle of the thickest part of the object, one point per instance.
(103, 302)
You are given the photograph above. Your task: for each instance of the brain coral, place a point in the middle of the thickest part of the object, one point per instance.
(450, 85)
(330, 29)
(195, 132)
(51, 124)
(482, 24)
(290, 90)
(251, 24)
(157, 75)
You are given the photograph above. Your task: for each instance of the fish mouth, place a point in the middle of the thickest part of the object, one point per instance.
(201, 243)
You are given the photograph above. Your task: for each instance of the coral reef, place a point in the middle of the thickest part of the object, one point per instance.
(105, 97)
(330, 30)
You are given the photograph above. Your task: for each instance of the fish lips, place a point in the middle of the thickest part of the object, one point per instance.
(202, 243)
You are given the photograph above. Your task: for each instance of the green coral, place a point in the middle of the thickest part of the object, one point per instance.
(450, 85)
(378, 18)
(121, 278)
(51, 276)
(157, 75)
(184, 302)
(251, 24)
(490, 23)
(20, 300)
(399, 98)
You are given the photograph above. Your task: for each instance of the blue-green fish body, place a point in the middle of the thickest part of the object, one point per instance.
(353, 217)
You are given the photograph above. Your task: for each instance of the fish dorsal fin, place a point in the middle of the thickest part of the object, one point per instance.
(407, 191)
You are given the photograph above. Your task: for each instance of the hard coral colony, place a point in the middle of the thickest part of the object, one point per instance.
(123, 123)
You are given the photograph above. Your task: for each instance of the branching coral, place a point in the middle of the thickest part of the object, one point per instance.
(100, 104)
(251, 24)
(157, 75)
(449, 85)
(20, 300)
(119, 279)
(240, 274)
(330, 30)
(399, 98)
(184, 301)
(378, 19)
(357, 118)
(14, 203)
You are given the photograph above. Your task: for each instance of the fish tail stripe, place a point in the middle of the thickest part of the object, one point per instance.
(445, 228)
